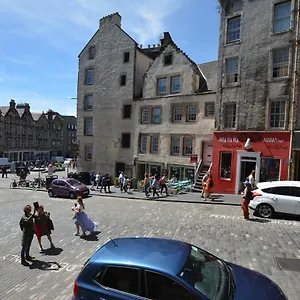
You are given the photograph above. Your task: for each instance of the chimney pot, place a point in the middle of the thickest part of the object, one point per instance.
(148, 46)
(12, 103)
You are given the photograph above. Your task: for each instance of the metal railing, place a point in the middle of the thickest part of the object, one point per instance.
(197, 170)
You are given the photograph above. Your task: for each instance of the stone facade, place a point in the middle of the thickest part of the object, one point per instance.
(29, 136)
(125, 78)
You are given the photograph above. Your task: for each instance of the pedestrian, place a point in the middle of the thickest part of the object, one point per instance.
(108, 181)
(146, 185)
(251, 179)
(4, 172)
(103, 184)
(124, 183)
(43, 226)
(205, 177)
(174, 179)
(98, 180)
(92, 180)
(27, 226)
(82, 219)
(121, 177)
(163, 184)
(155, 185)
(247, 196)
(207, 187)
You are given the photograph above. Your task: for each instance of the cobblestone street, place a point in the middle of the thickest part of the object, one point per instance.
(216, 228)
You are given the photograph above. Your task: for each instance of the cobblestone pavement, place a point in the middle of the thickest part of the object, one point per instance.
(216, 228)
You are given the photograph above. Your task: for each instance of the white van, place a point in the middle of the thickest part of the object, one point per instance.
(4, 161)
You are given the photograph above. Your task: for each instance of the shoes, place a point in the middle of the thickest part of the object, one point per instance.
(30, 258)
(202, 196)
(42, 250)
(52, 246)
(83, 234)
(77, 233)
(25, 263)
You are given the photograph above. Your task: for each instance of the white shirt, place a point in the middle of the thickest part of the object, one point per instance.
(251, 179)
(97, 177)
(121, 176)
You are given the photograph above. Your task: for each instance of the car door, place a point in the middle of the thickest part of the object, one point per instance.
(296, 197)
(64, 189)
(120, 282)
(281, 199)
(161, 287)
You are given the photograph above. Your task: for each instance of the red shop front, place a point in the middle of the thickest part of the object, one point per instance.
(236, 154)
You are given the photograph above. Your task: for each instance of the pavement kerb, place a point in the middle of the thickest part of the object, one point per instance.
(161, 199)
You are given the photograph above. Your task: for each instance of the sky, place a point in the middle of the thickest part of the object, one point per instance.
(40, 41)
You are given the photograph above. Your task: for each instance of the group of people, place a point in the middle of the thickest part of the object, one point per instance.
(40, 224)
(153, 183)
(124, 183)
(102, 182)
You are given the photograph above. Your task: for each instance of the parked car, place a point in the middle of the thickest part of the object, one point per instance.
(68, 187)
(276, 197)
(139, 268)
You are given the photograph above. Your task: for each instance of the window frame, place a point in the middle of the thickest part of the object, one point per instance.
(86, 108)
(220, 166)
(91, 57)
(174, 120)
(122, 140)
(188, 114)
(229, 74)
(86, 81)
(141, 143)
(158, 86)
(225, 115)
(206, 105)
(171, 84)
(173, 138)
(145, 109)
(126, 57)
(276, 115)
(86, 147)
(184, 152)
(86, 119)
(156, 136)
(274, 16)
(228, 32)
(152, 115)
(168, 55)
(123, 80)
(279, 65)
(124, 111)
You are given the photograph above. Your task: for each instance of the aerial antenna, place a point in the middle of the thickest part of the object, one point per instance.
(113, 242)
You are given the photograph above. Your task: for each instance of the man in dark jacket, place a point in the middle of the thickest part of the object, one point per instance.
(27, 226)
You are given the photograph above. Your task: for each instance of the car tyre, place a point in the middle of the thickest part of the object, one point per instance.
(50, 193)
(72, 195)
(265, 210)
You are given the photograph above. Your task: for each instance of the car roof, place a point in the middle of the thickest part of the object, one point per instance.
(263, 185)
(163, 255)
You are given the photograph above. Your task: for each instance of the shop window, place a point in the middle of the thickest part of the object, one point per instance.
(269, 169)
(225, 166)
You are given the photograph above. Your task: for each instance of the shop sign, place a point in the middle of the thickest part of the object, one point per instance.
(229, 140)
(272, 140)
(194, 158)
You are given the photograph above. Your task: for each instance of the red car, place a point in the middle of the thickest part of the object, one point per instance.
(68, 187)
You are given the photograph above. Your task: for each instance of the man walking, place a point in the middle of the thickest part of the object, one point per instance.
(163, 184)
(98, 181)
(251, 179)
(92, 180)
(121, 178)
(205, 177)
(27, 226)
(103, 184)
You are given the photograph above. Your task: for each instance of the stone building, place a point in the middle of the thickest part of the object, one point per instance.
(69, 143)
(125, 102)
(255, 92)
(29, 136)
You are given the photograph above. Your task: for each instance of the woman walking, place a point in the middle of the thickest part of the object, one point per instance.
(146, 185)
(82, 219)
(155, 185)
(207, 187)
(41, 227)
(246, 197)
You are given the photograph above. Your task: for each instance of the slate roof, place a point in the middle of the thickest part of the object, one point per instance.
(4, 110)
(210, 72)
(36, 115)
(71, 120)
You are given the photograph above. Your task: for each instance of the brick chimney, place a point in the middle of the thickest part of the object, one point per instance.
(12, 104)
(166, 40)
(26, 107)
(50, 114)
(110, 20)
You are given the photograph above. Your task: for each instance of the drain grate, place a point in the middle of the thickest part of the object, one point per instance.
(288, 264)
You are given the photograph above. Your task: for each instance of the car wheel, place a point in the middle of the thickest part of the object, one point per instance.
(72, 195)
(50, 193)
(265, 210)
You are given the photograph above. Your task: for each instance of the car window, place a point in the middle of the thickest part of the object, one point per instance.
(268, 190)
(295, 191)
(62, 183)
(56, 182)
(74, 182)
(281, 190)
(122, 279)
(160, 287)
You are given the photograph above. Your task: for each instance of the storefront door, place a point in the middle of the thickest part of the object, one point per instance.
(246, 162)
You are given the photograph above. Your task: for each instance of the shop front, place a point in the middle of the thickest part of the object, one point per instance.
(236, 154)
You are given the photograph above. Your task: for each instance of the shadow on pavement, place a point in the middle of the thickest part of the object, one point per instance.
(279, 216)
(259, 220)
(45, 265)
(53, 251)
(92, 237)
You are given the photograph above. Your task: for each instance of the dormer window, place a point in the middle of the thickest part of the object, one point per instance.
(168, 59)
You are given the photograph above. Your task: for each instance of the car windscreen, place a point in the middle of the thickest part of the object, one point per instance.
(74, 182)
(207, 274)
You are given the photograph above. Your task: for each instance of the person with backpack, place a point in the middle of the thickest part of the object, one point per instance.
(247, 196)
(208, 186)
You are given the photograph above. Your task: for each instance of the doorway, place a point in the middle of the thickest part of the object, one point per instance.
(207, 153)
(246, 162)
(120, 167)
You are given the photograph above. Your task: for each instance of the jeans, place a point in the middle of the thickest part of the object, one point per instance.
(146, 189)
(26, 243)
(155, 192)
(164, 186)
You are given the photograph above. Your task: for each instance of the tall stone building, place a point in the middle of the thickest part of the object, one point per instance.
(256, 94)
(140, 109)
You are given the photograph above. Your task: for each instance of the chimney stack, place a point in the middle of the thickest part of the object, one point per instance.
(110, 20)
(12, 103)
(26, 107)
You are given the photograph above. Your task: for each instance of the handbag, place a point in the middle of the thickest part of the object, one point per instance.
(50, 224)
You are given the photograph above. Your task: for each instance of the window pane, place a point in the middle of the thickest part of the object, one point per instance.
(88, 152)
(175, 84)
(88, 126)
(89, 102)
(127, 111)
(282, 190)
(126, 140)
(89, 79)
(277, 114)
(144, 117)
(154, 144)
(225, 165)
(233, 29)
(282, 16)
(143, 144)
(192, 113)
(229, 115)
(122, 279)
(188, 146)
(175, 145)
(156, 115)
(281, 62)
(209, 109)
(232, 70)
(295, 191)
(269, 170)
(162, 86)
(177, 114)
(92, 52)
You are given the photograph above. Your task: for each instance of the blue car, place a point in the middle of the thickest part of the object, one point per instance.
(162, 269)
